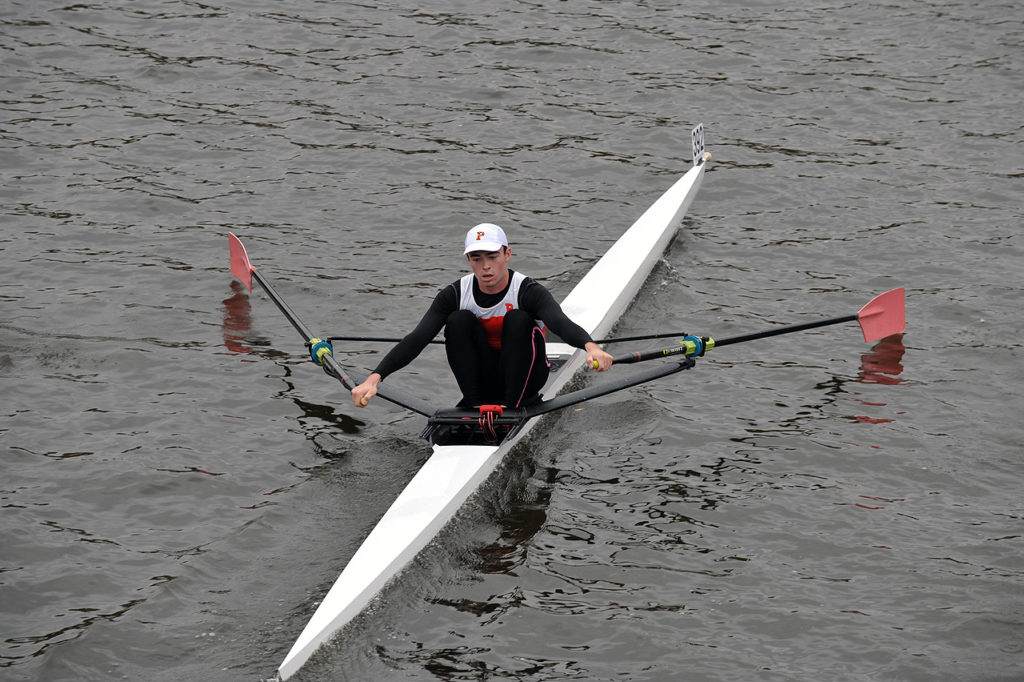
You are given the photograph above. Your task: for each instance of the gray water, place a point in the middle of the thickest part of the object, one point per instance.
(180, 486)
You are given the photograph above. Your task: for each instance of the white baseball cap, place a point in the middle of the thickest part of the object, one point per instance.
(485, 237)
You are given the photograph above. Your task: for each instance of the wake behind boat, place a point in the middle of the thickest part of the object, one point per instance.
(468, 445)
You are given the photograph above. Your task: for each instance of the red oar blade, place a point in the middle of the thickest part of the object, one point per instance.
(883, 316)
(240, 265)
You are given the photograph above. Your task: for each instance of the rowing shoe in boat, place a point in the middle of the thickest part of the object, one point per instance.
(469, 445)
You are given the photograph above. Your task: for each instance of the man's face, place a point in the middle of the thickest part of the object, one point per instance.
(490, 268)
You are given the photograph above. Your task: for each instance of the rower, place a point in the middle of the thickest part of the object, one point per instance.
(494, 320)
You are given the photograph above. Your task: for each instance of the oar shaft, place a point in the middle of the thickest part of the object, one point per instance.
(785, 330)
(686, 347)
(644, 337)
(332, 366)
(393, 339)
(282, 306)
(645, 355)
(373, 339)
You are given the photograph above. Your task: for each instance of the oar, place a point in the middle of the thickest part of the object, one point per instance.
(373, 339)
(883, 316)
(246, 272)
(393, 339)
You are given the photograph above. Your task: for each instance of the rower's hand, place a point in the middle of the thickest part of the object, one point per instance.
(597, 359)
(364, 392)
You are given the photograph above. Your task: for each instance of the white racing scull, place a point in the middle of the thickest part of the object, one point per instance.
(463, 454)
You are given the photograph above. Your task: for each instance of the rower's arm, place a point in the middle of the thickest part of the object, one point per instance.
(539, 302)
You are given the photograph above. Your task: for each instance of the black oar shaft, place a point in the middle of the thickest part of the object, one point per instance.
(282, 306)
(785, 330)
(373, 339)
(618, 384)
(645, 355)
(393, 339)
(644, 337)
(332, 366)
(684, 348)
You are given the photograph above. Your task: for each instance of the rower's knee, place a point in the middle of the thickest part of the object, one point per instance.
(462, 333)
(459, 322)
(518, 323)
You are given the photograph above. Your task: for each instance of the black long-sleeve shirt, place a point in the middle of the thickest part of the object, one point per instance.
(534, 299)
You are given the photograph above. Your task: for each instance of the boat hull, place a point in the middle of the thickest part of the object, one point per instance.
(454, 472)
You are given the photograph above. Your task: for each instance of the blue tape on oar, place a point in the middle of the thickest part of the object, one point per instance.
(694, 346)
(318, 348)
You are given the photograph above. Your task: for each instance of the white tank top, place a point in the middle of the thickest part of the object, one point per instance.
(491, 318)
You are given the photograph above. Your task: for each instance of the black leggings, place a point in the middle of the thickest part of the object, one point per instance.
(486, 376)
